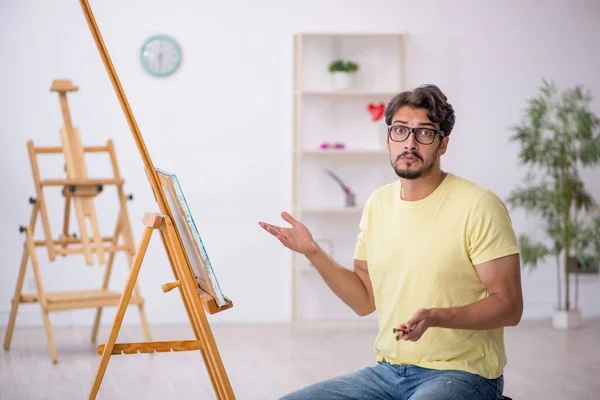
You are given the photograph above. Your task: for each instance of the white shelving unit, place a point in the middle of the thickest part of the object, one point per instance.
(324, 114)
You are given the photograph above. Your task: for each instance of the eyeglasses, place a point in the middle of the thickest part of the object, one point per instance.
(399, 133)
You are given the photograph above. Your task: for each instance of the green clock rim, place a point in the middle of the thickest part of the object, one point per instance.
(177, 48)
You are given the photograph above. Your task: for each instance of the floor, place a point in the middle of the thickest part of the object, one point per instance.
(267, 361)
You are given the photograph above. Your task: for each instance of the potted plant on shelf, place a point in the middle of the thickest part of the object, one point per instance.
(558, 136)
(342, 73)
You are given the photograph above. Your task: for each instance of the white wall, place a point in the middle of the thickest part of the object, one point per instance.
(237, 71)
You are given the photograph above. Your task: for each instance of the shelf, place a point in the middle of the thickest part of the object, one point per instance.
(331, 110)
(343, 153)
(367, 35)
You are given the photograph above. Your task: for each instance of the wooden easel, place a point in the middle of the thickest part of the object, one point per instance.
(81, 191)
(196, 300)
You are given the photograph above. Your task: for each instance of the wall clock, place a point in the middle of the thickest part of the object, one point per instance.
(160, 55)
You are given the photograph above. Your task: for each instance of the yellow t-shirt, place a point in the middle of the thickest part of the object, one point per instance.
(421, 254)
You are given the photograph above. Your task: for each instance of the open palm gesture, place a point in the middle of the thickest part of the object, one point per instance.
(297, 238)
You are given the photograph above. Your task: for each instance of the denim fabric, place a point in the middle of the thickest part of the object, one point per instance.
(403, 382)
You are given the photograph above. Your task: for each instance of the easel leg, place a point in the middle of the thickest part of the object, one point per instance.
(142, 310)
(125, 227)
(40, 203)
(211, 374)
(41, 296)
(210, 352)
(109, 265)
(107, 272)
(120, 230)
(16, 298)
(214, 363)
(120, 314)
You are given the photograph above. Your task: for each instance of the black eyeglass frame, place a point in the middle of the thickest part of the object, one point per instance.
(414, 130)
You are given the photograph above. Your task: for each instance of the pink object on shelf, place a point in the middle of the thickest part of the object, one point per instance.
(338, 146)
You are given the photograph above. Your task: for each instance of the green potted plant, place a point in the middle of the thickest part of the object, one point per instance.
(342, 72)
(558, 136)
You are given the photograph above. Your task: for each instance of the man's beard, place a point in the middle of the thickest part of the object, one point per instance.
(424, 170)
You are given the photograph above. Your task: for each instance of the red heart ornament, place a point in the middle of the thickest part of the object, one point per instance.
(376, 111)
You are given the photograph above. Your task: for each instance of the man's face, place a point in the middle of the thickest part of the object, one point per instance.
(411, 159)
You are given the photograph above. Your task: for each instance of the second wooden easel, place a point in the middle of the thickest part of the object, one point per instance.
(81, 191)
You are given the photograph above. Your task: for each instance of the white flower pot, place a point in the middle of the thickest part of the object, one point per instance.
(342, 80)
(566, 319)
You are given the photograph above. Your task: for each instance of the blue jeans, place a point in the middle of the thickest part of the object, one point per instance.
(403, 382)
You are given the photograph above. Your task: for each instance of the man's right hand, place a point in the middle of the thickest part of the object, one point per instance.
(352, 287)
(297, 238)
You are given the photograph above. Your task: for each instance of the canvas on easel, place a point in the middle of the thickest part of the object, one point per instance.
(81, 192)
(194, 247)
(194, 277)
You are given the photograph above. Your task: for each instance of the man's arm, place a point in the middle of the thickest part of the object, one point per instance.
(503, 306)
(352, 287)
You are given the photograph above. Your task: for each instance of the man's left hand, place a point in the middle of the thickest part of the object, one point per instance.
(416, 326)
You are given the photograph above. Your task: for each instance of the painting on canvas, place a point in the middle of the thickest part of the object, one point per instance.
(194, 248)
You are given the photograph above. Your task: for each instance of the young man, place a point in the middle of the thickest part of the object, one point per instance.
(437, 258)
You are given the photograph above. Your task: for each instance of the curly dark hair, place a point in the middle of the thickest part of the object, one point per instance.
(424, 96)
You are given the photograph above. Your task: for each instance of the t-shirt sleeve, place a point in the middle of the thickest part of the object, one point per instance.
(490, 233)
(360, 249)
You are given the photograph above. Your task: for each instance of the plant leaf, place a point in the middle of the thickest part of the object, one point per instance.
(531, 252)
